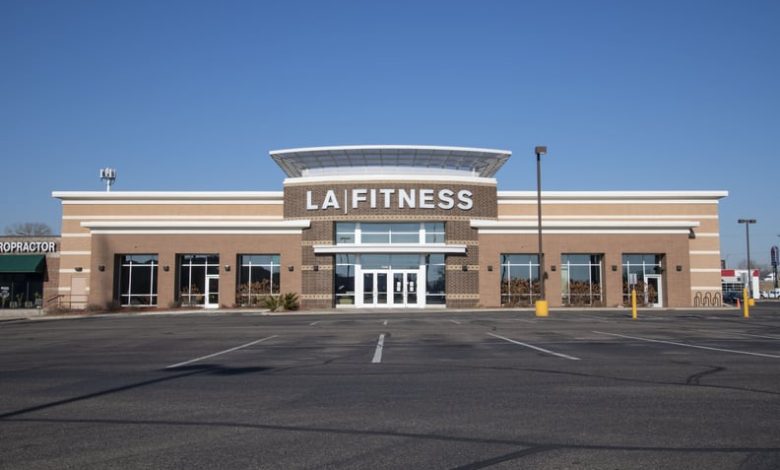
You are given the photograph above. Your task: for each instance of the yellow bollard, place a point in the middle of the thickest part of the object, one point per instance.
(633, 304)
(752, 302)
(745, 304)
(542, 309)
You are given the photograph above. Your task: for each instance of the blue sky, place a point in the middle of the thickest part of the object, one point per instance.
(191, 95)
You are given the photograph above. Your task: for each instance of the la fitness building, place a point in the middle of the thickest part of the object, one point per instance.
(389, 226)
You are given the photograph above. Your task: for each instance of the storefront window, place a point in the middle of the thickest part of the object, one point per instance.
(434, 232)
(137, 280)
(21, 290)
(258, 277)
(345, 279)
(345, 233)
(192, 277)
(581, 280)
(435, 272)
(382, 261)
(389, 233)
(637, 267)
(519, 279)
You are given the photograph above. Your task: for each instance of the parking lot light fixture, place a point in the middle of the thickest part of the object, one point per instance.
(541, 304)
(747, 223)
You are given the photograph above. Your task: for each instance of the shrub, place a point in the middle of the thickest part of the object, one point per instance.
(272, 302)
(289, 301)
(93, 308)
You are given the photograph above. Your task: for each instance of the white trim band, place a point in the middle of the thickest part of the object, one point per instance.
(580, 224)
(611, 195)
(169, 195)
(605, 217)
(301, 180)
(173, 217)
(381, 248)
(255, 225)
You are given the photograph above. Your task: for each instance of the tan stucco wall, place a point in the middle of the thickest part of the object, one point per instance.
(612, 247)
(228, 247)
(85, 251)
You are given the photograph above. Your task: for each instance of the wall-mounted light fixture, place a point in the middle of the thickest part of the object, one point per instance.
(102, 267)
(679, 268)
(614, 267)
(291, 268)
(490, 267)
(465, 267)
(166, 268)
(553, 268)
(227, 268)
(78, 269)
(316, 267)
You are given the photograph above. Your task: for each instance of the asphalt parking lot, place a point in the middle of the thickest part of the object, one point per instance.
(430, 389)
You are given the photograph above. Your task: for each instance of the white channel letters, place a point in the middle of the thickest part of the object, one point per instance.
(28, 247)
(385, 198)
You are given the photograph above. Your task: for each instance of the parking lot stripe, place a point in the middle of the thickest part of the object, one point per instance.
(378, 353)
(547, 351)
(455, 322)
(757, 336)
(220, 353)
(385, 323)
(314, 322)
(689, 345)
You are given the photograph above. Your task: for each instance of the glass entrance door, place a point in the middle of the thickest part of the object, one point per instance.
(374, 288)
(212, 291)
(404, 288)
(390, 288)
(653, 290)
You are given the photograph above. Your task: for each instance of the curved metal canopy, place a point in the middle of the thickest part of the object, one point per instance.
(361, 159)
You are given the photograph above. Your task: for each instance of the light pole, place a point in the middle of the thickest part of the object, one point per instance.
(541, 304)
(747, 223)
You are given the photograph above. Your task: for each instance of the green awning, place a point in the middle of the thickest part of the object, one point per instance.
(22, 263)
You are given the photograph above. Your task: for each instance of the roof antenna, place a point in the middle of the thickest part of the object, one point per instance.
(109, 176)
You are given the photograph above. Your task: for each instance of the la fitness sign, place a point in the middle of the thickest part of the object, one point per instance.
(28, 247)
(390, 198)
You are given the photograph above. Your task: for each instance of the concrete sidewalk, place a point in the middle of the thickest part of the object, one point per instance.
(35, 314)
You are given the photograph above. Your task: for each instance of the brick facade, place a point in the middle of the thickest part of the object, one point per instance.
(462, 287)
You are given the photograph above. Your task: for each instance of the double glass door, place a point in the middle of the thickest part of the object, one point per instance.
(391, 288)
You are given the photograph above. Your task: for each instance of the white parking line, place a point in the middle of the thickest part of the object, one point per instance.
(757, 336)
(378, 353)
(689, 345)
(385, 323)
(455, 322)
(603, 320)
(314, 322)
(547, 351)
(220, 353)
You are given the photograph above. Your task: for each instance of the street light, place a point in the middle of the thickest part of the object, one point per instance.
(541, 304)
(747, 223)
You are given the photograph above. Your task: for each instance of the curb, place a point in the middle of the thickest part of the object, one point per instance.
(347, 312)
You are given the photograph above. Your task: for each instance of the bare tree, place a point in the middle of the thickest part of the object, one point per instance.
(28, 229)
